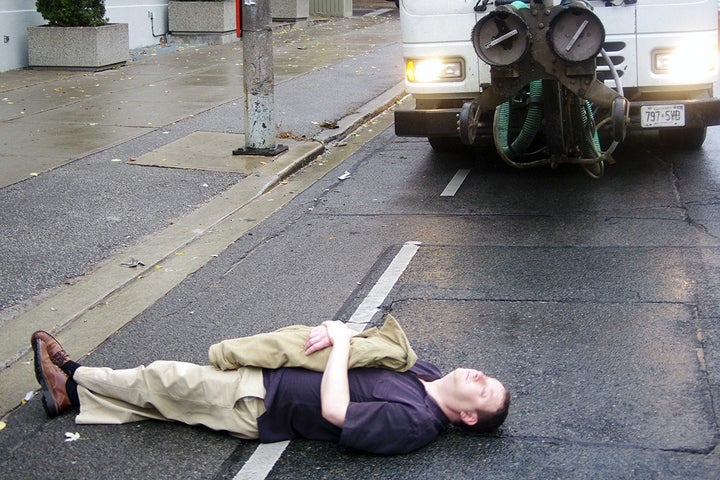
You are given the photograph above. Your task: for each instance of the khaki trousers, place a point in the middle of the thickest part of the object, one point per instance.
(229, 394)
(229, 400)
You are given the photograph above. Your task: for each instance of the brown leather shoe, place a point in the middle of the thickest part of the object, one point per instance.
(57, 353)
(52, 380)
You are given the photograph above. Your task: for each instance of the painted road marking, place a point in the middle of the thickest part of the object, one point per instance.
(455, 183)
(261, 462)
(369, 307)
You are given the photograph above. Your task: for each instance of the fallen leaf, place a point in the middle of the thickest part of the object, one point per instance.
(292, 136)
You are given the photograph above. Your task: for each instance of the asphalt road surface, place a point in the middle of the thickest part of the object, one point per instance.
(596, 302)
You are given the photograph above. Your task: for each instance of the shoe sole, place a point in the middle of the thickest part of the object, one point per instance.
(48, 401)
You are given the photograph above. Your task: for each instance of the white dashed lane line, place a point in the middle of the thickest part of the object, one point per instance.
(452, 187)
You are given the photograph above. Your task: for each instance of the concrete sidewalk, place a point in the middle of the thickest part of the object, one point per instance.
(52, 117)
(111, 177)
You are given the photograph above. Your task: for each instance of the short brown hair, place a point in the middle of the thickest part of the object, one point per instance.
(488, 422)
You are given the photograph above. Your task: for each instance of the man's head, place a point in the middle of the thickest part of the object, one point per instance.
(482, 402)
(488, 422)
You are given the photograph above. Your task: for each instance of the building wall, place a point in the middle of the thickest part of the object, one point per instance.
(137, 15)
(17, 15)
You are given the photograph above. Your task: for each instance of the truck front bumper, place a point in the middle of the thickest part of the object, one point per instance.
(443, 122)
(698, 113)
(427, 123)
(438, 123)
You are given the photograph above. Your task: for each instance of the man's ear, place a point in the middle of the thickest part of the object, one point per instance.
(469, 418)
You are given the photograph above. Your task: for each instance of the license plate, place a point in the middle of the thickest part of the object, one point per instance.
(652, 116)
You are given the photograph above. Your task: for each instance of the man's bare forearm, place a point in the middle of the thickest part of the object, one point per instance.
(334, 388)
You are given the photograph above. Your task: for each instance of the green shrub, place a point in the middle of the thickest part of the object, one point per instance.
(72, 13)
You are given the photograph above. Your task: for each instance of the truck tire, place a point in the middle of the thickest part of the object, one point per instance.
(446, 144)
(683, 138)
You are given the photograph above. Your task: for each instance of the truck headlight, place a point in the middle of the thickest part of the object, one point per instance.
(685, 61)
(434, 70)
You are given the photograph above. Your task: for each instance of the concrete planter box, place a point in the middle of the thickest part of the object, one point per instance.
(201, 17)
(292, 10)
(86, 48)
(331, 8)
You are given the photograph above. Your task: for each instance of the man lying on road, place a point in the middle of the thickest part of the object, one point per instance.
(367, 392)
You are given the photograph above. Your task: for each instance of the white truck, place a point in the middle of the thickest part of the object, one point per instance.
(551, 82)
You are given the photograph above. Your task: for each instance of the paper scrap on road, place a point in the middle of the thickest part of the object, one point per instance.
(132, 263)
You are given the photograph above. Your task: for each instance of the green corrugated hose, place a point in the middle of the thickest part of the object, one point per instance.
(530, 128)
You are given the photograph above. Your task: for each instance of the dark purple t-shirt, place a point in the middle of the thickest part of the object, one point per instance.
(389, 412)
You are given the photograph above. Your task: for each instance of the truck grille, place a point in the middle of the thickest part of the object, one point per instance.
(616, 52)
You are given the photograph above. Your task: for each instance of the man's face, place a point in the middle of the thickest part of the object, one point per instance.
(475, 391)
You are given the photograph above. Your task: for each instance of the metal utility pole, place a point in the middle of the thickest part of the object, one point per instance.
(258, 81)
